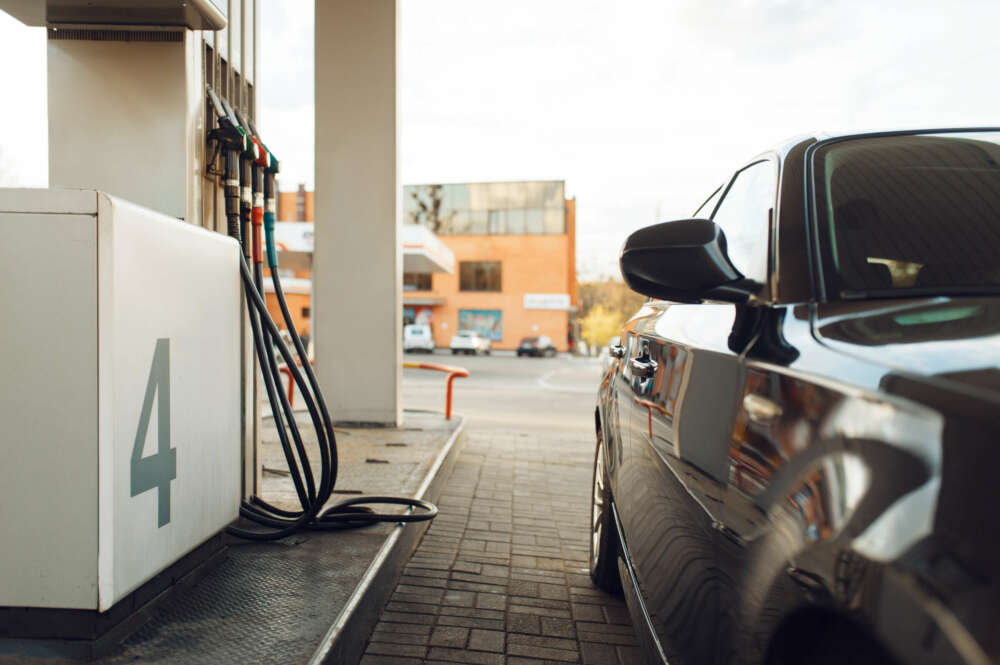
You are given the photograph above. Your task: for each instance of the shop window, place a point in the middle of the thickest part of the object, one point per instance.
(416, 281)
(479, 276)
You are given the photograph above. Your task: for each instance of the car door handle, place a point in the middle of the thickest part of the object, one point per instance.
(643, 367)
(760, 409)
(616, 351)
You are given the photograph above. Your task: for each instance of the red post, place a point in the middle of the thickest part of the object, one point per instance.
(447, 399)
(291, 385)
(453, 373)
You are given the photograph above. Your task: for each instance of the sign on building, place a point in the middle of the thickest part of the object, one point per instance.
(558, 301)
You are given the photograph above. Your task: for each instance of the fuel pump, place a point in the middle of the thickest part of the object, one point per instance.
(249, 178)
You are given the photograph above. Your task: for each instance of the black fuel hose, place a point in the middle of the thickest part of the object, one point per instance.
(314, 512)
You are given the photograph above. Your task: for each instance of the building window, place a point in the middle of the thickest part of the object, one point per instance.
(305, 312)
(479, 276)
(416, 281)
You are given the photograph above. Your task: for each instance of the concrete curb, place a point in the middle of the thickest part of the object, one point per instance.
(344, 643)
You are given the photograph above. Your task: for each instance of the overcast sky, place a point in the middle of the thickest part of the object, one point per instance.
(641, 106)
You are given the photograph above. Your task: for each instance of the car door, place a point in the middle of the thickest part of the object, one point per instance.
(686, 386)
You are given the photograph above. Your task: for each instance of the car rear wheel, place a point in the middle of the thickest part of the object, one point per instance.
(603, 544)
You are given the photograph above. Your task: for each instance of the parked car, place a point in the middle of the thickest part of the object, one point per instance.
(418, 337)
(470, 341)
(798, 445)
(536, 346)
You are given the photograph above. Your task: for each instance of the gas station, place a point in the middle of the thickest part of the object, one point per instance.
(142, 348)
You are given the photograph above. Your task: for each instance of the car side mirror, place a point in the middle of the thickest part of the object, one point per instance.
(683, 261)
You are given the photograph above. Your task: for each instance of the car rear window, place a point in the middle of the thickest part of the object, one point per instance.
(909, 214)
(529, 340)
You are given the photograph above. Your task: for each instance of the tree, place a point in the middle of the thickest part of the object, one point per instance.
(599, 325)
(429, 199)
(604, 307)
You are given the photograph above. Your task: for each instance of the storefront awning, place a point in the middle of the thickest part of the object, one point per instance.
(423, 252)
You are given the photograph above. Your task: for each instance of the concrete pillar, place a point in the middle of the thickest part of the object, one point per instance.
(357, 271)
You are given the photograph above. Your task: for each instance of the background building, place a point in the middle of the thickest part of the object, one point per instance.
(514, 245)
(497, 257)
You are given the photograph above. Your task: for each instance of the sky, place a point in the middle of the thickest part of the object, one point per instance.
(641, 106)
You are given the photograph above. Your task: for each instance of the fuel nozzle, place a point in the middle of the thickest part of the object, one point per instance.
(265, 168)
(232, 142)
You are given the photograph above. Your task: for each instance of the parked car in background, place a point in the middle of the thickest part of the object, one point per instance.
(797, 437)
(536, 346)
(418, 337)
(470, 342)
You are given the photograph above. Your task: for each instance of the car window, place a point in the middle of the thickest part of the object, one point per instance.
(910, 213)
(745, 215)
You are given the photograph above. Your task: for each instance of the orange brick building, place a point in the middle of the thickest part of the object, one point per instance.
(515, 261)
(514, 245)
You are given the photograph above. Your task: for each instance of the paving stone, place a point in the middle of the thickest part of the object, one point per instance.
(500, 577)
(468, 657)
(449, 636)
(540, 611)
(459, 598)
(398, 638)
(544, 642)
(540, 602)
(630, 656)
(386, 649)
(389, 660)
(617, 614)
(487, 640)
(557, 627)
(598, 654)
(396, 628)
(469, 622)
(491, 601)
(524, 623)
(588, 612)
(540, 652)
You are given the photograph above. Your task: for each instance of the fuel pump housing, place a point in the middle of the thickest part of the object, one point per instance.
(121, 408)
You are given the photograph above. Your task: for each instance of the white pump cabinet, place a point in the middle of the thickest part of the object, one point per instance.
(120, 395)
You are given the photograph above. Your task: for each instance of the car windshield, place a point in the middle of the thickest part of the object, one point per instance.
(912, 214)
(466, 333)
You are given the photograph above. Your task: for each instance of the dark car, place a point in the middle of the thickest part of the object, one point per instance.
(798, 437)
(536, 346)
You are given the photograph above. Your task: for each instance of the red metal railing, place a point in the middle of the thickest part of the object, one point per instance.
(453, 373)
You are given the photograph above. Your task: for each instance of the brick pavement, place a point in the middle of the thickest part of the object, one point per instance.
(500, 578)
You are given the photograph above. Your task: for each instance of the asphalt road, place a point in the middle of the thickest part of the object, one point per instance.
(504, 391)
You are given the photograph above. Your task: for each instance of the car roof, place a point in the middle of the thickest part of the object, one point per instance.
(786, 146)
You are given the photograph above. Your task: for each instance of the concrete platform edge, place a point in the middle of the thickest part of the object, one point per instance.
(345, 641)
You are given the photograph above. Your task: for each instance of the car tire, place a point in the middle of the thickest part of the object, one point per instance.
(454, 352)
(603, 540)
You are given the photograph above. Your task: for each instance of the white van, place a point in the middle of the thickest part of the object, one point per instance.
(417, 337)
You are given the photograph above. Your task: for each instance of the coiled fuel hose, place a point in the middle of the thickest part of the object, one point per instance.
(249, 180)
